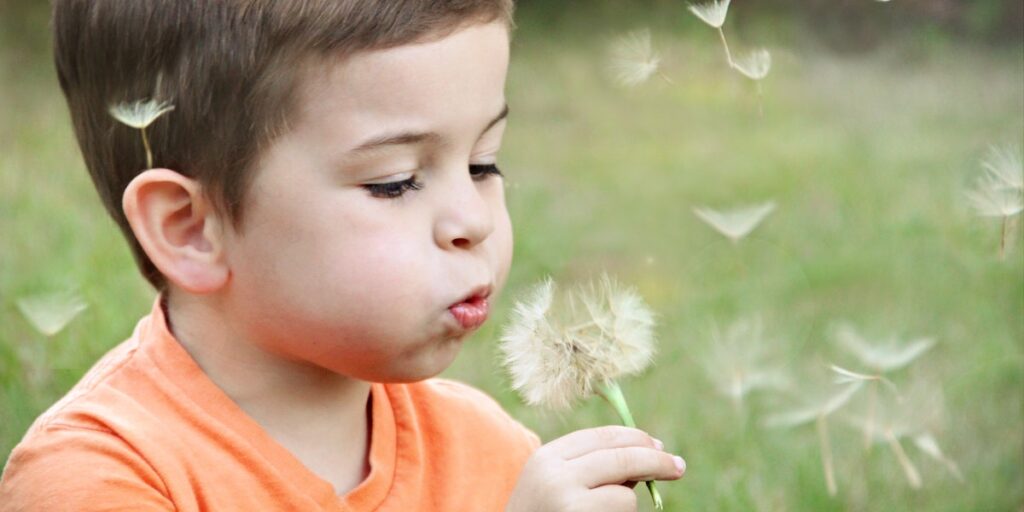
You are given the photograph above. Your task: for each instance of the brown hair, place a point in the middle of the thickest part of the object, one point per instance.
(229, 67)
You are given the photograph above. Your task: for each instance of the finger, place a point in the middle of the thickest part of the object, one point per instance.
(580, 442)
(618, 465)
(611, 498)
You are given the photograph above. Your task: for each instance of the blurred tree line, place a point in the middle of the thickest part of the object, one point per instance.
(855, 23)
(850, 21)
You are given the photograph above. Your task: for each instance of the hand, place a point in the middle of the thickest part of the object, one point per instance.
(592, 469)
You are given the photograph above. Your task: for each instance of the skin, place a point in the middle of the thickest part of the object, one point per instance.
(328, 287)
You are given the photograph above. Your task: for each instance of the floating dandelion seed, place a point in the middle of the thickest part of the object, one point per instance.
(755, 65)
(995, 201)
(633, 60)
(1000, 191)
(736, 223)
(912, 417)
(737, 363)
(713, 13)
(50, 313)
(818, 409)
(845, 376)
(139, 115)
(884, 356)
(560, 353)
(1005, 167)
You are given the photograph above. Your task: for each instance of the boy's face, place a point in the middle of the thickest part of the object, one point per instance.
(340, 264)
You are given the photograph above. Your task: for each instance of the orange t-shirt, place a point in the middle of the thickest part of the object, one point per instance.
(145, 429)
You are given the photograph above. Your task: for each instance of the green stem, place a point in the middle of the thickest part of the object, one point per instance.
(611, 392)
(149, 152)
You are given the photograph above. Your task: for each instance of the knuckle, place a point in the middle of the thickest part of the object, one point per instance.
(625, 460)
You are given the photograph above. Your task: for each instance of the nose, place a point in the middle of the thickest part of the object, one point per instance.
(465, 217)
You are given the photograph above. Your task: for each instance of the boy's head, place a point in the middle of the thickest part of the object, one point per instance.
(327, 172)
(231, 68)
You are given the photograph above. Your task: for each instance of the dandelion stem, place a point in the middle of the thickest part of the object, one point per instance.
(149, 152)
(612, 393)
(908, 467)
(725, 44)
(826, 455)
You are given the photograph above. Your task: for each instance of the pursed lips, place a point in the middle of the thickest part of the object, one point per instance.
(471, 312)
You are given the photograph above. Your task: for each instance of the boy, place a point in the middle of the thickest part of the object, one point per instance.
(325, 223)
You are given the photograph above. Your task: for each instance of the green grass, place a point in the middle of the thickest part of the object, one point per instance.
(866, 154)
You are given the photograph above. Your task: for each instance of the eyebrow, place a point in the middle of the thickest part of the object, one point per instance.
(400, 139)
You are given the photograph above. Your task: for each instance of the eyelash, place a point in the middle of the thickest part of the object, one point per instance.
(396, 189)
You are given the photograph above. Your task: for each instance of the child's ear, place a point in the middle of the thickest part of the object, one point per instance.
(178, 228)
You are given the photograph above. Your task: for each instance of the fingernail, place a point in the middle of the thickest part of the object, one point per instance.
(658, 444)
(680, 463)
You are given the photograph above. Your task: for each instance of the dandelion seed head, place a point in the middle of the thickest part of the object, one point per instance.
(713, 13)
(754, 65)
(50, 313)
(139, 114)
(558, 351)
(633, 59)
(737, 223)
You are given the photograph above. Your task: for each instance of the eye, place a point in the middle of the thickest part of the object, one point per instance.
(482, 171)
(393, 189)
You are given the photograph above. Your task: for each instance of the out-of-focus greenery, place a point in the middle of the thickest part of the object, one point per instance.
(866, 153)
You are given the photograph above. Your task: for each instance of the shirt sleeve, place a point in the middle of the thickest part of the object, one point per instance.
(63, 468)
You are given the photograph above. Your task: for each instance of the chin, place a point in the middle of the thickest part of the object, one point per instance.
(426, 364)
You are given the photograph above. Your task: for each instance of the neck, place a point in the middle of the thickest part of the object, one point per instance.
(305, 407)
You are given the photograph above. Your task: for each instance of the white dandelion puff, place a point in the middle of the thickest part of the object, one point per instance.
(754, 65)
(736, 223)
(139, 115)
(560, 353)
(50, 313)
(633, 59)
(560, 349)
(713, 13)
(883, 356)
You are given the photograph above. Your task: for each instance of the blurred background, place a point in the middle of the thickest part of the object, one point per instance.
(868, 136)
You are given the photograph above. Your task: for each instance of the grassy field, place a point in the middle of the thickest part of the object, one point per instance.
(866, 154)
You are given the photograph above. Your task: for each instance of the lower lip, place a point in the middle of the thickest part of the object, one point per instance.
(472, 313)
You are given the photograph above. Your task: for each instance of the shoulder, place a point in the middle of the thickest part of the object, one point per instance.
(59, 467)
(474, 411)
